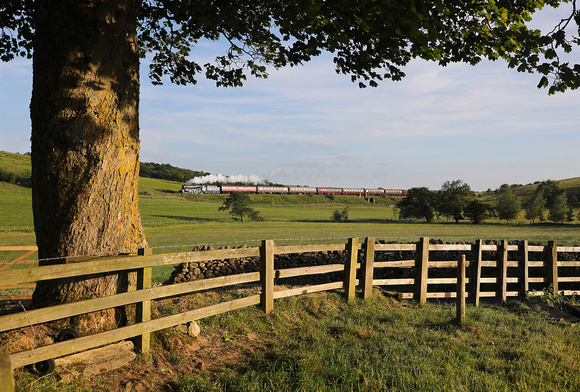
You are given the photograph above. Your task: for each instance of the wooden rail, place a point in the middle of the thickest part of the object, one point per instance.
(412, 280)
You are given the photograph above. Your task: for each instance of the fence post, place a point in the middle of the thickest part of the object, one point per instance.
(523, 272)
(350, 268)
(552, 266)
(422, 264)
(267, 275)
(461, 289)
(502, 272)
(369, 261)
(476, 276)
(143, 311)
(6, 374)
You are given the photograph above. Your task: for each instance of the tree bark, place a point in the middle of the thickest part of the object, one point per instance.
(85, 142)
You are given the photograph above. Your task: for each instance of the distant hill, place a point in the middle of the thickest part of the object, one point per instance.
(527, 192)
(16, 169)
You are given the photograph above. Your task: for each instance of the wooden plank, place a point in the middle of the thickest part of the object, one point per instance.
(571, 292)
(552, 266)
(267, 275)
(450, 247)
(536, 248)
(491, 248)
(489, 263)
(569, 279)
(395, 264)
(120, 263)
(6, 374)
(395, 247)
(289, 249)
(406, 295)
(568, 263)
(422, 270)
(308, 290)
(569, 249)
(17, 248)
(393, 282)
(535, 263)
(537, 280)
(350, 269)
(312, 270)
(461, 292)
(143, 310)
(523, 269)
(368, 267)
(37, 316)
(502, 272)
(476, 272)
(72, 346)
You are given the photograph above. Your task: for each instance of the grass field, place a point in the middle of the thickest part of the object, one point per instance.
(320, 343)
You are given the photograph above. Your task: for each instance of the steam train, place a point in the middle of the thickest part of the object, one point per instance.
(292, 190)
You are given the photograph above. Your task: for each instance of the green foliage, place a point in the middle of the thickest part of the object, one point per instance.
(508, 206)
(238, 204)
(370, 41)
(559, 210)
(550, 191)
(340, 216)
(165, 171)
(454, 197)
(477, 211)
(535, 210)
(420, 203)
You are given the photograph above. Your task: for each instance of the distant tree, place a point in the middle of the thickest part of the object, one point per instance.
(535, 209)
(559, 209)
(454, 197)
(340, 216)
(420, 204)
(238, 204)
(508, 205)
(570, 215)
(477, 211)
(551, 190)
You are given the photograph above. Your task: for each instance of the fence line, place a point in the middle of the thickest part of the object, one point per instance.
(21, 259)
(411, 280)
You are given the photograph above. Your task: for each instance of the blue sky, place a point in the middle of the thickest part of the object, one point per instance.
(486, 125)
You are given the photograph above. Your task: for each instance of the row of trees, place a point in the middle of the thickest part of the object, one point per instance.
(165, 171)
(456, 200)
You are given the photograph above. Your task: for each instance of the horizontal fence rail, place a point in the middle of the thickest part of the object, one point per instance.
(416, 270)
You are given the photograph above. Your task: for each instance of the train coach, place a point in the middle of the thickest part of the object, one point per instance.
(296, 190)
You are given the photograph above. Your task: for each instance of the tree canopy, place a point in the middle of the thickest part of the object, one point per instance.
(454, 197)
(371, 40)
(420, 204)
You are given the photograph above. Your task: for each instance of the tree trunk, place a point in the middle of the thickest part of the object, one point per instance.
(85, 142)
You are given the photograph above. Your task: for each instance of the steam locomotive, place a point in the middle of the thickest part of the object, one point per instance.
(292, 190)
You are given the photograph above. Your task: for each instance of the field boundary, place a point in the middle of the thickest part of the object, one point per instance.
(498, 270)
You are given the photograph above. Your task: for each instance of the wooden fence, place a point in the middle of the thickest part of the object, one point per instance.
(24, 288)
(508, 277)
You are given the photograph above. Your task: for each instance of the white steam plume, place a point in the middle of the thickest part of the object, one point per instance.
(210, 178)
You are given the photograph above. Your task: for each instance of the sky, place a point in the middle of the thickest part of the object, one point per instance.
(486, 125)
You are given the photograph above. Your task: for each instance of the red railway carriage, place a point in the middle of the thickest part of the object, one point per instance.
(394, 192)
